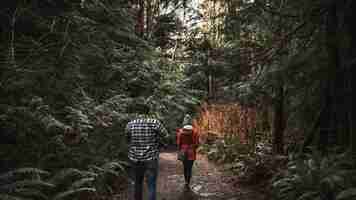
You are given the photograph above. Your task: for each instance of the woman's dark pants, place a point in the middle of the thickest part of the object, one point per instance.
(188, 166)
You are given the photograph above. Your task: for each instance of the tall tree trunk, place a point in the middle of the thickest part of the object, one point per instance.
(327, 128)
(350, 15)
(141, 18)
(149, 17)
(210, 78)
(278, 104)
(232, 23)
(278, 122)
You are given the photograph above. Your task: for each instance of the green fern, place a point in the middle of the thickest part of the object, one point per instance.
(24, 183)
(347, 194)
(10, 197)
(65, 174)
(117, 166)
(64, 184)
(23, 171)
(31, 193)
(315, 176)
(70, 193)
(309, 196)
(82, 182)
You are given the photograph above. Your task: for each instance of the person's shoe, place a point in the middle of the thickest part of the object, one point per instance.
(186, 186)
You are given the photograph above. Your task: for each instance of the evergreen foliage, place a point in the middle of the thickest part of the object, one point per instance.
(71, 70)
(33, 183)
(317, 177)
(292, 61)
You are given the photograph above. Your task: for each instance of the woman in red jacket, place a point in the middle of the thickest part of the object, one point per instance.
(187, 142)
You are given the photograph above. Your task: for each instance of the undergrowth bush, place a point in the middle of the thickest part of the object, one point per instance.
(317, 177)
(229, 149)
(251, 162)
(37, 184)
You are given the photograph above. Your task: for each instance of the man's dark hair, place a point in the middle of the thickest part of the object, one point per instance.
(139, 107)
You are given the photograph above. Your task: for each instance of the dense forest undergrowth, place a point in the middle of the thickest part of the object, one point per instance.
(269, 82)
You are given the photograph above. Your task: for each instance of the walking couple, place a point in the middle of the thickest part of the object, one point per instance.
(146, 135)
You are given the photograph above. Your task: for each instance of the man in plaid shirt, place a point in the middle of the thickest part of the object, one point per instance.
(145, 136)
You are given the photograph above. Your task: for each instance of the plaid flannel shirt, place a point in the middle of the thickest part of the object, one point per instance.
(145, 136)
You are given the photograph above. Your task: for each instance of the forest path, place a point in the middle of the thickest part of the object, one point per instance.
(209, 182)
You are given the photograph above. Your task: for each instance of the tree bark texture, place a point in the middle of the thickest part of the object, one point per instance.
(350, 16)
(340, 116)
(141, 18)
(278, 122)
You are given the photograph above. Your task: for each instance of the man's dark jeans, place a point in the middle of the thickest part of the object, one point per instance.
(150, 170)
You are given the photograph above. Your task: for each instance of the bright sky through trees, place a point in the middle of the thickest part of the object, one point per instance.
(190, 15)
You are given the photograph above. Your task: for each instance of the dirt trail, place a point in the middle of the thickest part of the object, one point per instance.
(208, 181)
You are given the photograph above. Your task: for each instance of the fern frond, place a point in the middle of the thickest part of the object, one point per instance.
(111, 172)
(88, 174)
(13, 173)
(115, 165)
(64, 174)
(24, 184)
(80, 183)
(10, 197)
(36, 194)
(105, 171)
(96, 168)
(349, 193)
(333, 181)
(65, 194)
(308, 196)
(31, 171)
